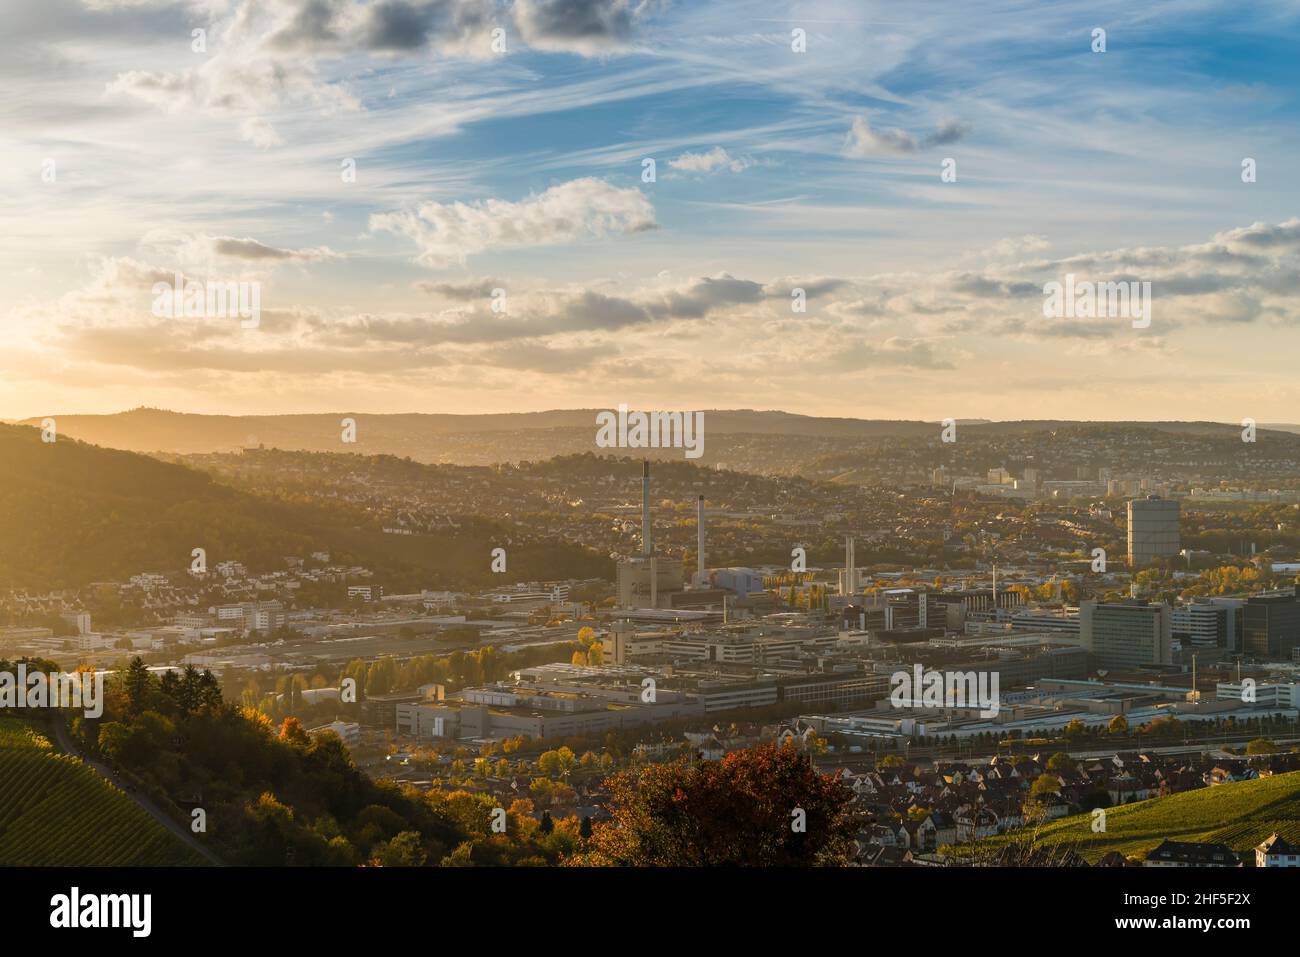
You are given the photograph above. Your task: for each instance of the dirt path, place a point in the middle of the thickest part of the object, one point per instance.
(69, 747)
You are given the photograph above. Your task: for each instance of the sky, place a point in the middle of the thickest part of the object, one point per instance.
(450, 206)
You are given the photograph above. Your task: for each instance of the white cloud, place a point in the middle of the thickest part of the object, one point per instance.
(710, 162)
(447, 233)
(259, 132)
(1017, 246)
(863, 141)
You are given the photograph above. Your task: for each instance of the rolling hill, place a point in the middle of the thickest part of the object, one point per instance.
(1239, 815)
(733, 434)
(72, 513)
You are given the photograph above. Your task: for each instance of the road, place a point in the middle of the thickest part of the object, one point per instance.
(68, 746)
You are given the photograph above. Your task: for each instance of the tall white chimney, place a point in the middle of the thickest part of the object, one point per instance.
(647, 545)
(699, 540)
(847, 588)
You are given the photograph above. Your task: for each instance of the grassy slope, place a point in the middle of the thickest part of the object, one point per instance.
(56, 812)
(1239, 815)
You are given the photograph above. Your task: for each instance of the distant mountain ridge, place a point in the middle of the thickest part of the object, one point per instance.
(493, 437)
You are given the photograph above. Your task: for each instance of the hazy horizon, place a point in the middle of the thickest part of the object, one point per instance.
(972, 419)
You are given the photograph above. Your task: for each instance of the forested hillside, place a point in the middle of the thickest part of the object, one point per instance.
(73, 513)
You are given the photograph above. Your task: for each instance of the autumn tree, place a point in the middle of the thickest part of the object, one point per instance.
(1060, 762)
(1045, 784)
(404, 850)
(291, 730)
(557, 763)
(765, 806)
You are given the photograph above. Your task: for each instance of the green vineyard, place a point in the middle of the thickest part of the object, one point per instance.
(1239, 815)
(55, 811)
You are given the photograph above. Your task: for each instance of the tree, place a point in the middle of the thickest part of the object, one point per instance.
(546, 825)
(1261, 746)
(381, 676)
(461, 857)
(558, 763)
(404, 850)
(1118, 725)
(1060, 762)
(765, 806)
(188, 690)
(137, 682)
(291, 730)
(1045, 784)
(487, 663)
(1165, 727)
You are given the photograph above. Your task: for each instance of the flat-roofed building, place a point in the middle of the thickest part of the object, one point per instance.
(1271, 626)
(1205, 624)
(1127, 634)
(1153, 530)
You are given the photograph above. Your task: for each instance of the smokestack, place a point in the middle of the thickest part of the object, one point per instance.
(647, 545)
(846, 588)
(699, 540)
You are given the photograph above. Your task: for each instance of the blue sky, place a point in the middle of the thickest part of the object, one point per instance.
(522, 170)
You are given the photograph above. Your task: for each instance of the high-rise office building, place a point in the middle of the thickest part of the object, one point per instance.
(1127, 634)
(1152, 530)
(1271, 626)
(1208, 624)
